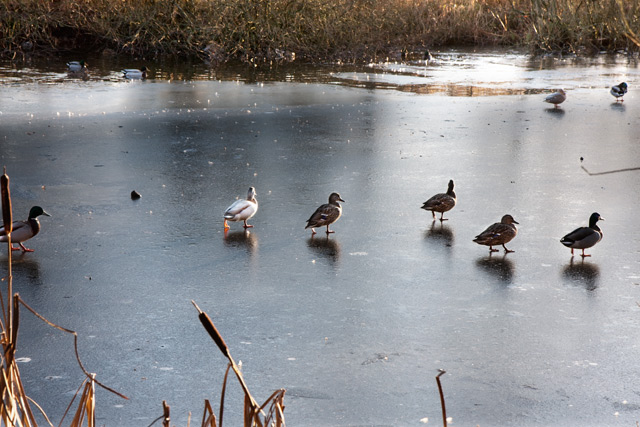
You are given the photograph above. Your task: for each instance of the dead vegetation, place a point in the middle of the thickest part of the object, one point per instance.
(314, 30)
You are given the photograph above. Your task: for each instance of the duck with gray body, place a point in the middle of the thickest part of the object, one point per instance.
(499, 233)
(135, 74)
(556, 98)
(584, 237)
(441, 202)
(326, 214)
(618, 91)
(24, 230)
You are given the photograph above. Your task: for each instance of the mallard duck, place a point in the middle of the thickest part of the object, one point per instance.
(618, 91)
(441, 202)
(76, 67)
(584, 237)
(242, 210)
(499, 233)
(326, 214)
(24, 230)
(556, 98)
(135, 74)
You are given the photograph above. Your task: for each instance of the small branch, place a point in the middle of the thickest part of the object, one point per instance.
(444, 409)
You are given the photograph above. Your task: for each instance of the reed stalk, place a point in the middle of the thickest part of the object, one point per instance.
(271, 412)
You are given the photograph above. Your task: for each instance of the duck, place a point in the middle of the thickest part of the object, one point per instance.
(499, 233)
(242, 210)
(326, 214)
(584, 237)
(556, 98)
(135, 74)
(618, 91)
(441, 202)
(76, 66)
(24, 230)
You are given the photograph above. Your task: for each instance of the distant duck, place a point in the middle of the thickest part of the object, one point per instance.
(135, 74)
(499, 233)
(77, 67)
(242, 210)
(427, 56)
(326, 214)
(24, 230)
(618, 91)
(556, 98)
(441, 202)
(584, 237)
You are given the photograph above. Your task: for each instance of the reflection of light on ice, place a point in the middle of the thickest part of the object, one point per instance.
(359, 253)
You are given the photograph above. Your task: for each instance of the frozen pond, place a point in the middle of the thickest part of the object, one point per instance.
(354, 326)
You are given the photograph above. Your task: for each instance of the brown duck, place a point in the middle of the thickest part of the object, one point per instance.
(499, 233)
(441, 202)
(326, 214)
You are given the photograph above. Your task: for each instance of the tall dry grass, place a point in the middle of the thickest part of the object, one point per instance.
(256, 30)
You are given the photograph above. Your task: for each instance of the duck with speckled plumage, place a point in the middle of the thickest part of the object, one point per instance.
(326, 214)
(499, 233)
(441, 202)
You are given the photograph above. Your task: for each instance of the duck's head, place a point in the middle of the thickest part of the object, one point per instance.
(594, 218)
(335, 197)
(508, 219)
(36, 211)
(623, 86)
(252, 193)
(450, 185)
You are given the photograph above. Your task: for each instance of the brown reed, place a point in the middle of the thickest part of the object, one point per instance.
(347, 30)
(270, 413)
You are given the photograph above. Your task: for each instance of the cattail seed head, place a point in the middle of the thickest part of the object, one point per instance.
(6, 203)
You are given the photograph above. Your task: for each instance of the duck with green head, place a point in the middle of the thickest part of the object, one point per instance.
(24, 230)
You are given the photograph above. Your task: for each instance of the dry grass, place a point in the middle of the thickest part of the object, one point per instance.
(259, 30)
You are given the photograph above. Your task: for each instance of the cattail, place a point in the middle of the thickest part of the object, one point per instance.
(6, 203)
(213, 331)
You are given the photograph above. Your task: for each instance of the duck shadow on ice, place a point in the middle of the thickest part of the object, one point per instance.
(618, 106)
(582, 273)
(439, 234)
(241, 239)
(25, 267)
(501, 268)
(326, 247)
(555, 112)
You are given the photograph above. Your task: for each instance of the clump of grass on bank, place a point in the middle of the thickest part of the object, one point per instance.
(255, 30)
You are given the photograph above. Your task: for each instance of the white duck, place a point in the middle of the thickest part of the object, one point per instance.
(242, 210)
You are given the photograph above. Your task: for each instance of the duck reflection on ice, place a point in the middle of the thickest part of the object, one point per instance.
(582, 273)
(242, 238)
(326, 247)
(26, 266)
(440, 233)
(502, 268)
